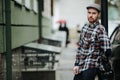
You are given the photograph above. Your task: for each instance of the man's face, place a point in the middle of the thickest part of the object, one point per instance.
(92, 15)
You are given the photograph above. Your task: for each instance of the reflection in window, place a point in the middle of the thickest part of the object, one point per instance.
(113, 36)
(113, 13)
(117, 38)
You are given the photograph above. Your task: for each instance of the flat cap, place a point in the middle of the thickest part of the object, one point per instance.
(95, 6)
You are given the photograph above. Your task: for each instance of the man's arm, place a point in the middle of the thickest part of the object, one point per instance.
(104, 42)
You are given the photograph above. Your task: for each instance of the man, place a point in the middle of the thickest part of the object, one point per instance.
(93, 43)
(63, 27)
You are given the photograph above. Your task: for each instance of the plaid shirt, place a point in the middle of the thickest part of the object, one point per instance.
(93, 43)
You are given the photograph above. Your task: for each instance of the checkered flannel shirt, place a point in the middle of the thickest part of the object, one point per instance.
(92, 44)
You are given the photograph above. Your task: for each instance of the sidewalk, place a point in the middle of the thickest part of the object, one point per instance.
(66, 62)
(67, 58)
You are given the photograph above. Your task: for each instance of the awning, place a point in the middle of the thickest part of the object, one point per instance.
(42, 48)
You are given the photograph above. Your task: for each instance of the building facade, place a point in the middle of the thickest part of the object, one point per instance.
(27, 24)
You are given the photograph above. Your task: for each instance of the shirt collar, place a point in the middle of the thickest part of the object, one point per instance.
(93, 25)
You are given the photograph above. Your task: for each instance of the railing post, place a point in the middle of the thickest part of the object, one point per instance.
(40, 7)
(8, 40)
(104, 14)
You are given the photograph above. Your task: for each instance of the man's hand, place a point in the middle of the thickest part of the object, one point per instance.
(76, 69)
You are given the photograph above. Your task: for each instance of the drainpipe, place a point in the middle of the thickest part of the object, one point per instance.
(8, 40)
(40, 3)
(104, 14)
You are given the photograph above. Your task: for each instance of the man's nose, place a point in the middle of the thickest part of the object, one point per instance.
(91, 15)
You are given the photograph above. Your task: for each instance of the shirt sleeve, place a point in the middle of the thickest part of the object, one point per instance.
(78, 52)
(104, 41)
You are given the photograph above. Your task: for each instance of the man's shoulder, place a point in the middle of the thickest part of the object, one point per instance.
(101, 27)
(85, 25)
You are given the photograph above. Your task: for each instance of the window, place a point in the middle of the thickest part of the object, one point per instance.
(117, 37)
(19, 1)
(35, 6)
(113, 37)
(28, 4)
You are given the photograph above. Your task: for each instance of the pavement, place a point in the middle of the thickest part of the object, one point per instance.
(67, 58)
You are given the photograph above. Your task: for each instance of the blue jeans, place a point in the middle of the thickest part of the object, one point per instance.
(88, 74)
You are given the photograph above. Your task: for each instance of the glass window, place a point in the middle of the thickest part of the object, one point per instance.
(113, 36)
(35, 6)
(28, 4)
(117, 38)
(19, 1)
(113, 13)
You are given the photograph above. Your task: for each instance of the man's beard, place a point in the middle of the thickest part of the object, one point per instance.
(92, 21)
